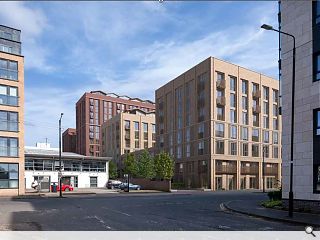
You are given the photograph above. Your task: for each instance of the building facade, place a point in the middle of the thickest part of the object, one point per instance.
(42, 164)
(217, 119)
(127, 132)
(69, 140)
(11, 113)
(301, 19)
(95, 108)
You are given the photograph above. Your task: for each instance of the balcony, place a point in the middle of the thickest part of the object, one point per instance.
(256, 109)
(221, 101)
(8, 100)
(221, 84)
(225, 169)
(270, 171)
(250, 170)
(256, 94)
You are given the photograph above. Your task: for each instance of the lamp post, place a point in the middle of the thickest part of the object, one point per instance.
(268, 27)
(263, 182)
(60, 167)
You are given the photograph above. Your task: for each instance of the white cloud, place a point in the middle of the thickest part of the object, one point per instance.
(106, 46)
(33, 23)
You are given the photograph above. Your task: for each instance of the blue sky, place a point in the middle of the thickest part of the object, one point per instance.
(129, 48)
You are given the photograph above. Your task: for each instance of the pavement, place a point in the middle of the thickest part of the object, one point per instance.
(254, 208)
(181, 210)
(80, 191)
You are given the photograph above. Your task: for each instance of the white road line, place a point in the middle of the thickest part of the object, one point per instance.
(101, 221)
(116, 211)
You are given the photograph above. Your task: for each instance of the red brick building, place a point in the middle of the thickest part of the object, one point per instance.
(69, 140)
(96, 107)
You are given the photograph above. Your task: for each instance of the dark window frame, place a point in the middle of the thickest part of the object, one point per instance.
(18, 172)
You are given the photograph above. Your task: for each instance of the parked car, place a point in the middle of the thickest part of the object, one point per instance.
(124, 186)
(65, 188)
(112, 184)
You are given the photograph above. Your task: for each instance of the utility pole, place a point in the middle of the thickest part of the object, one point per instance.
(60, 166)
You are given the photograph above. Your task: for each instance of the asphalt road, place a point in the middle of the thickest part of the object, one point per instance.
(153, 211)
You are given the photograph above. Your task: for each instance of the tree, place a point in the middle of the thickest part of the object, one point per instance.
(113, 174)
(164, 166)
(130, 165)
(145, 165)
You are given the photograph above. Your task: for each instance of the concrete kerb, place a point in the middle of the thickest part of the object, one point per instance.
(285, 220)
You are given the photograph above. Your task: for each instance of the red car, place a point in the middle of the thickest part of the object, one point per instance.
(65, 188)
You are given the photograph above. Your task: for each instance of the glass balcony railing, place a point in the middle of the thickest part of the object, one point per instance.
(8, 100)
(9, 74)
(8, 126)
(8, 49)
(8, 151)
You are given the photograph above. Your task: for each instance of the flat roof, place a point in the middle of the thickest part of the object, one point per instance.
(54, 154)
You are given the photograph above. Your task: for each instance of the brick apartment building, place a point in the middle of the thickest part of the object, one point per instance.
(127, 132)
(69, 140)
(217, 119)
(11, 113)
(96, 107)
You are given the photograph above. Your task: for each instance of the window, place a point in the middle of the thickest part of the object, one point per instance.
(179, 152)
(219, 147)
(145, 131)
(275, 152)
(266, 151)
(9, 175)
(201, 130)
(188, 134)
(316, 10)
(188, 150)
(8, 121)
(233, 116)
(179, 137)
(265, 93)
(275, 95)
(244, 87)
(265, 122)
(245, 103)
(255, 120)
(233, 148)
(244, 149)
(233, 132)
(275, 124)
(8, 147)
(220, 113)
(255, 150)
(8, 69)
(266, 136)
(316, 67)
(233, 83)
(245, 118)
(244, 133)
(317, 121)
(201, 148)
(255, 135)
(127, 124)
(219, 130)
(220, 76)
(8, 95)
(233, 100)
(275, 138)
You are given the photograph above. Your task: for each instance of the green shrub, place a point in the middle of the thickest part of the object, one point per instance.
(275, 195)
(272, 203)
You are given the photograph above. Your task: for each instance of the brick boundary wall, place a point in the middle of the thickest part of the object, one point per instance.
(148, 184)
(303, 205)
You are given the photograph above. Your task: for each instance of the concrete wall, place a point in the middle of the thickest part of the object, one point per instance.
(296, 19)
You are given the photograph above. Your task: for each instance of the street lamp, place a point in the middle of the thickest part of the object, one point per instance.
(263, 179)
(60, 168)
(268, 27)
